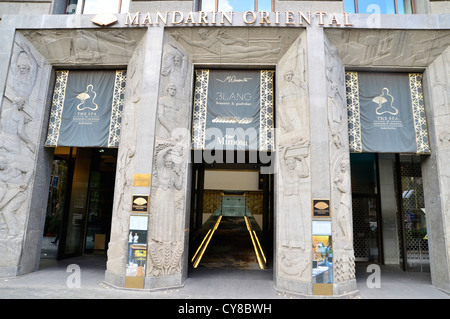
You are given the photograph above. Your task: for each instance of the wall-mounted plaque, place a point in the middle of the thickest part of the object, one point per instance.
(139, 204)
(321, 208)
(141, 180)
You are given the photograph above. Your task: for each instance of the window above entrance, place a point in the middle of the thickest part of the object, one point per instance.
(380, 6)
(96, 6)
(236, 5)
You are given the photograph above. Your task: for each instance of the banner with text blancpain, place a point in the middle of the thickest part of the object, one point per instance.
(233, 110)
(86, 109)
(386, 113)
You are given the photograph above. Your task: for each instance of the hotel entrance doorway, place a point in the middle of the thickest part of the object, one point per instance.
(389, 215)
(231, 217)
(79, 210)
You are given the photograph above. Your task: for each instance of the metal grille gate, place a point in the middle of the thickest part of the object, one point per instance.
(411, 217)
(412, 206)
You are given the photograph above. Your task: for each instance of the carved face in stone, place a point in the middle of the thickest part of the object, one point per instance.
(23, 64)
(344, 166)
(290, 163)
(177, 60)
(288, 76)
(172, 89)
(168, 162)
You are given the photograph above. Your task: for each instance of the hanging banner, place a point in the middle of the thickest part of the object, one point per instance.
(87, 109)
(386, 113)
(233, 110)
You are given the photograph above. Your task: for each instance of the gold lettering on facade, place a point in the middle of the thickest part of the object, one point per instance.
(302, 17)
(226, 18)
(321, 14)
(346, 22)
(277, 17)
(289, 18)
(135, 20)
(202, 17)
(174, 16)
(246, 15)
(334, 20)
(147, 19)
(162, 18)
(264, 17)
(190, 18)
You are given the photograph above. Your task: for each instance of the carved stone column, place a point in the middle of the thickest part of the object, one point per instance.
(293, 243)
(344, 280)
(435, 169)
(313, 162)
(168, 217)
(136, 145)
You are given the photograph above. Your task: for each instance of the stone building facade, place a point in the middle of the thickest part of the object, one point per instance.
(163, 42)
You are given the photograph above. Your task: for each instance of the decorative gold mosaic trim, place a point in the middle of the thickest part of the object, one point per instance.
(266, 138)
(200, 105)
(117, 109)
(420, 121)
(57, 109)
(353, 109)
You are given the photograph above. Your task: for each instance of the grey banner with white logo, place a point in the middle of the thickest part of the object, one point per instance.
(86, 110)
(233, 110)
(386, 113)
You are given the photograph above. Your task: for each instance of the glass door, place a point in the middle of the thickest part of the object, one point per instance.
(75, 210)
(100, 200)
(59, 181)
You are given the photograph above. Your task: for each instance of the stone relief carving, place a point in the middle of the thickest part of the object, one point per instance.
(389, 47)
(292, 96)
(134, 74)
(218, 42)
(13, 133)
(167, 211)
(17, 148)
(342, 231)
(170, 111)
(295, 263)
(117, 248)
(336, 117)
(292, 92)
(165, 258)
(168, 180)
(85, 46)
(166, 216)
(14, 179)
(337, 111)
(24, 71)
(173, 108)
(344, 267)
(342, 184)
(174, 69)
(293, 252)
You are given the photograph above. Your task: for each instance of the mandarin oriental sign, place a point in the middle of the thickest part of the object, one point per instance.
(248, 18)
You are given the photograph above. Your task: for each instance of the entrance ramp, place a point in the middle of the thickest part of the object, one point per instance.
(230, 238)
